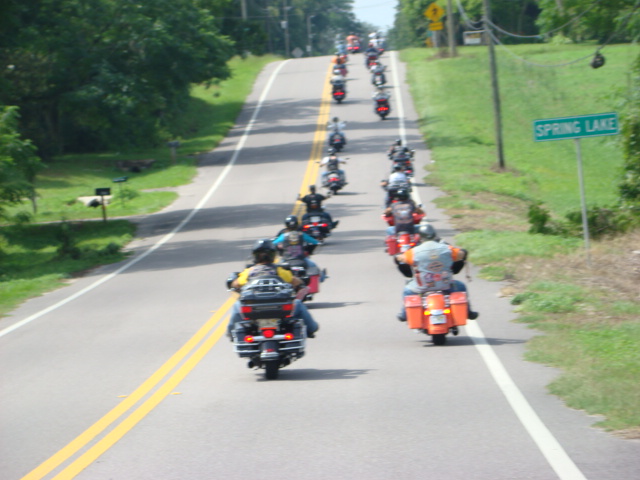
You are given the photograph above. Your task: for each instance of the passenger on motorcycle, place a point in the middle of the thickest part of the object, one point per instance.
(371, 53)
(264, 254)
(313, 201)
(402, 209)
(332, 162)
(294, 244)
(338, 83)
(432, 264)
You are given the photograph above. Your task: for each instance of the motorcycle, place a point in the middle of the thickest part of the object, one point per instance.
(336, 141)
(334, 183)
(406, 165)
(310, 276)
(340, 70)
(268, 335)
(353, 48)
(437, 314)
(402, 241)
(339, 93)
(317, 226)
(378, 78)
(372, 59)
(381, 107)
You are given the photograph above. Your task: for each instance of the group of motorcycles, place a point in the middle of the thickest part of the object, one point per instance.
(435, 313)
(272, 332)
(381, 104)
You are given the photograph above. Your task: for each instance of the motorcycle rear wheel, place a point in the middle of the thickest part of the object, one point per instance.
(271, 369)
(439, 339)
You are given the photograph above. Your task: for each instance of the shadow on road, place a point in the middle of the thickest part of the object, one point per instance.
(310, 374)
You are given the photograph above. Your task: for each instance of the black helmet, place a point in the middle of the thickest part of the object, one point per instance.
(398, 168)
(331, 151)
(263, 251)
(291, 222)
(398, 142)
(402, 194)
(427, 232)
(312, 188)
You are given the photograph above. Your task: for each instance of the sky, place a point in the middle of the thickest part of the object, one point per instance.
(377, 12)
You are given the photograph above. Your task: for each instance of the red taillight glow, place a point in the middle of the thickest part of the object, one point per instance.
(323, 225)
(287, 307)
(268, 333)
(249, 339)
(245, 309)
(289, 336)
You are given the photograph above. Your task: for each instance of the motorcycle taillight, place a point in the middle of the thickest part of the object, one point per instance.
(268, 333)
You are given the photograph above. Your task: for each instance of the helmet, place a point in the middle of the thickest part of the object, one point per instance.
(398, 142)
(336, 119)
(427, 232)
(312, 188)
(331, 151)
(398, 168)
(402, 194)
(291, 222)
(263, 251)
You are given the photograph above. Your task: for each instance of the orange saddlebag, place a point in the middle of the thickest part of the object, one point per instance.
(459, 308)
(413, 306)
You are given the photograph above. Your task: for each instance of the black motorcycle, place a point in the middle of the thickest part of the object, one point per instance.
(268, 335)
(381, 107)
(316, 225)
(334, 183)
(339, 92)
(336, 141)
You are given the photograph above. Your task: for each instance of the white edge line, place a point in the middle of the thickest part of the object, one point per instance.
(170, 235)
(544, 439)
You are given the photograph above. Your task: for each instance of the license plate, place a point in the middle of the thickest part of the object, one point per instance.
(438, 319)
(268, 322)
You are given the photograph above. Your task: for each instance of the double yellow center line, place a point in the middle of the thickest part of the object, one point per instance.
(180, 363)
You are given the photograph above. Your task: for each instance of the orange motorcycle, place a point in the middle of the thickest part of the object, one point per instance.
(437, 314)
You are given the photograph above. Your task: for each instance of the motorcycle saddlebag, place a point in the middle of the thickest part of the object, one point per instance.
(392, 245)
(314, 283)
(459, 307)
(413, 307)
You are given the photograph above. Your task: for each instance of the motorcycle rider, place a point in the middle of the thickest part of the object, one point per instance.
(397, 147)
(380, 94)
(398, 179)
(295, 244)
(332, 162)
(336, 126)
(338, 83)
(402, 209)
(370, 53)
(378, 70)
(313, 201)
(432, 263)
(353, 40)
(264, 254)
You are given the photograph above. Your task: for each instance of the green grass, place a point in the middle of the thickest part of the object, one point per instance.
(591, 336)
(30, 263)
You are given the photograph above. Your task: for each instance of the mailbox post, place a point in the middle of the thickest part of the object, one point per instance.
(120, 181)
(101, 192)
(173, 146)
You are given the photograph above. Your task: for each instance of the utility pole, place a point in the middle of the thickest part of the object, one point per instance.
(497, 115)
(243, 7)
(285, 25)
(450, 31)
(309, 34)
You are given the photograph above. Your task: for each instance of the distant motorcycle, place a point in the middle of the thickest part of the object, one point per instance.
(336, 140)
(316, 225)
(381, 107)
(378, 77)
(339, 92)
(334, 183)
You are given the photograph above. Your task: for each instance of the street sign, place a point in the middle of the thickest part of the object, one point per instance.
(434, 12)
(436, 26)
(576, 127)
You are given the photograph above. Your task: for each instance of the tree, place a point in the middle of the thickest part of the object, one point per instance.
(589, 20)
(18, 162)
(98, 74)
(630, 120)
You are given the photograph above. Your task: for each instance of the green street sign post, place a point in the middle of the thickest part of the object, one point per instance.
(575, 128)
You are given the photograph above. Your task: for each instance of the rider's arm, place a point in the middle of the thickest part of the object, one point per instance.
(278, 240)
(242, 279)
(309, 239)
(406, 257)
(288, 277)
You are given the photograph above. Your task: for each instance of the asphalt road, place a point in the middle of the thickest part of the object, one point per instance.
(126, 373)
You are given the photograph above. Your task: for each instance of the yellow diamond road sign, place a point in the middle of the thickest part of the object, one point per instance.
(434, 12)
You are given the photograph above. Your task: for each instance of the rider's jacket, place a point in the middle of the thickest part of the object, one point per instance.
(402, 212)
(431, 262)
(313, 201)
(293, 244)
